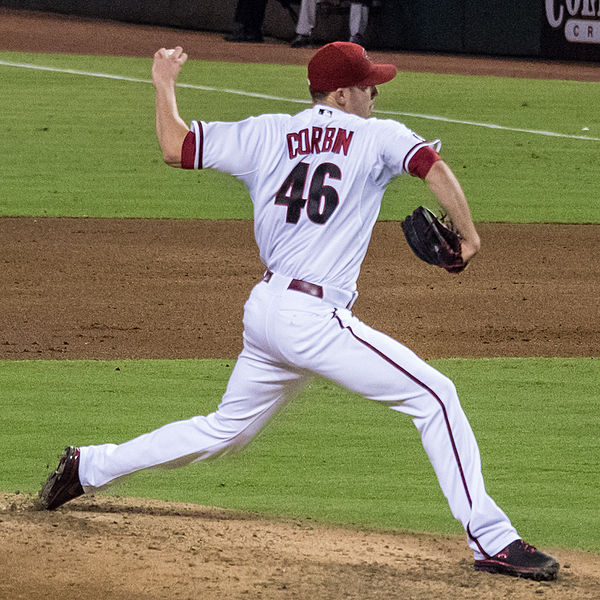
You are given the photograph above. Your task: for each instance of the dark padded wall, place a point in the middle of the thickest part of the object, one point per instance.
(519, 28)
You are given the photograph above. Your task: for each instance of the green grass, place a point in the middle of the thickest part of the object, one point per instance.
(86, 146)
(330, 455)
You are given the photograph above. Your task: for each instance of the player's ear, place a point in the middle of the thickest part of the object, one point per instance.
(341, 96)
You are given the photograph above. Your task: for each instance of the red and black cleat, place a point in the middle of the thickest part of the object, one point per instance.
(520, 559)
(63, 484)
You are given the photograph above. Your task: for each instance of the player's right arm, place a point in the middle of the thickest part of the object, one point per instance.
(171, 129)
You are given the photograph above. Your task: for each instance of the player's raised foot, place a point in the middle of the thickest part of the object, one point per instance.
(63, 484)
(520, 559)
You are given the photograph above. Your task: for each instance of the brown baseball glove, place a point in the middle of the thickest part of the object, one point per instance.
(433, 241)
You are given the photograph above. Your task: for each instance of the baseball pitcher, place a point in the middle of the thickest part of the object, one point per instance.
(316, 180)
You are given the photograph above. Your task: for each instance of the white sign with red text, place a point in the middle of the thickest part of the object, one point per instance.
(579, 19)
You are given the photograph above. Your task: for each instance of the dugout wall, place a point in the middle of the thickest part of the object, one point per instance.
(556, 29)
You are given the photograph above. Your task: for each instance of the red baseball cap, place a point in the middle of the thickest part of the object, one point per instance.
(344, 64)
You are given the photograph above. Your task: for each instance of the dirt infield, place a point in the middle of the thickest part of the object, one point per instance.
(100, 288)
(142, 288)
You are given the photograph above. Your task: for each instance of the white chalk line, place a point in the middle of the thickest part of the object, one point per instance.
(296, 101)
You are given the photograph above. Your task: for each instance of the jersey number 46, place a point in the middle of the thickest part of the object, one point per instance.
(322, 199)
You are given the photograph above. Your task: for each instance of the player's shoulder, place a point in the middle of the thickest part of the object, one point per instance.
(271, 121)
(391, 126)
(259, 126)
(274, 117)
(389, 133)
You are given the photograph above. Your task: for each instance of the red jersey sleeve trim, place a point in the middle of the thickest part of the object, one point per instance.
(422, 160)
(188, 151)
(435, 145)
(191, 149)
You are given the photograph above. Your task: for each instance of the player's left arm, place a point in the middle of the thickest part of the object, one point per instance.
(447, 189)
(171, 129)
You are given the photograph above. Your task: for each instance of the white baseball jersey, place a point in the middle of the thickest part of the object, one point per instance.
(316, 180)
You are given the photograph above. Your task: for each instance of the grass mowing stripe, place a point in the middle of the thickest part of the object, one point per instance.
(329, 455)
(299, 101)
(95, 153)
(486, 125)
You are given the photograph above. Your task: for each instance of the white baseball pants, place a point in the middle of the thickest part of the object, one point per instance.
(288, 336)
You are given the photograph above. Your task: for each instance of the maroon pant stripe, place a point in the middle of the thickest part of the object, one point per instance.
(439, 401)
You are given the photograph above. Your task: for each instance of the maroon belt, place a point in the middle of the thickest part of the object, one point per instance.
(312, 289)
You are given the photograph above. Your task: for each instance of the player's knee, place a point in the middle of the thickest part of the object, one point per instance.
(227, 428)
(448, 387)
(442, 388)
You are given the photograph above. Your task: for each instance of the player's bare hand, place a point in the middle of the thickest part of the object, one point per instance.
(167, 64)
